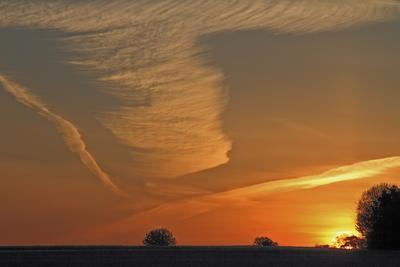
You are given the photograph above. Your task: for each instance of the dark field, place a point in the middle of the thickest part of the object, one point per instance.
(192, 256)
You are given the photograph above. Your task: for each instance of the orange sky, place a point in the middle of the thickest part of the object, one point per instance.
(300, 217)
(215, 124)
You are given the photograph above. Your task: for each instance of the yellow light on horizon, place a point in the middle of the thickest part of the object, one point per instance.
(333, 241)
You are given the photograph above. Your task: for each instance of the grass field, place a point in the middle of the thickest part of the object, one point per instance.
(192, 256)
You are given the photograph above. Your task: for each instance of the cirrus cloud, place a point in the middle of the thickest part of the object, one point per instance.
(172, 100)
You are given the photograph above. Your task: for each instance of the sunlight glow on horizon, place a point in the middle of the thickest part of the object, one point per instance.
(332, 242)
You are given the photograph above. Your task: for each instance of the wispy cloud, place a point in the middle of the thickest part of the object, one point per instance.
(69, 132)
(248, 194)
(172, 100)
(360, 170)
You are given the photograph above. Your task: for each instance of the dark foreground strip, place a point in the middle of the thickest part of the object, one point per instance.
(99, 256)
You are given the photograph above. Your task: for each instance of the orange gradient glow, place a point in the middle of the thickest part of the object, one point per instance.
(304, 217)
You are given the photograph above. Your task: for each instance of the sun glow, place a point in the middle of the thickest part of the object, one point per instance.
(336, 239)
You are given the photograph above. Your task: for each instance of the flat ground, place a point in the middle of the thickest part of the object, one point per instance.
(193, 256)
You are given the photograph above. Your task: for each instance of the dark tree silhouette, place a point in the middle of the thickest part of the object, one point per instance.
(159, 238)
(378, 216)
(349, 242)
(263, 241)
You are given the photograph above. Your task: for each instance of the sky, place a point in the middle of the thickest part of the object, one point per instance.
(220, 120)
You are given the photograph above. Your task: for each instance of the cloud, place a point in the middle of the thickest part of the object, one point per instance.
(359, 170)
(172, 100)
(69, 132)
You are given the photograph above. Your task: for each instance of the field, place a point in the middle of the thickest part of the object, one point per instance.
(192, 256)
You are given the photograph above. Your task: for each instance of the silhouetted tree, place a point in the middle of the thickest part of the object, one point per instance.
(159, 238)
(263, 241)
(349, 242)
(378, 216)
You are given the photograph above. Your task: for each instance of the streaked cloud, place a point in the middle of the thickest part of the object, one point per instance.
(355, 171)
(172, 100)
(248, 194)
(68, 131)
